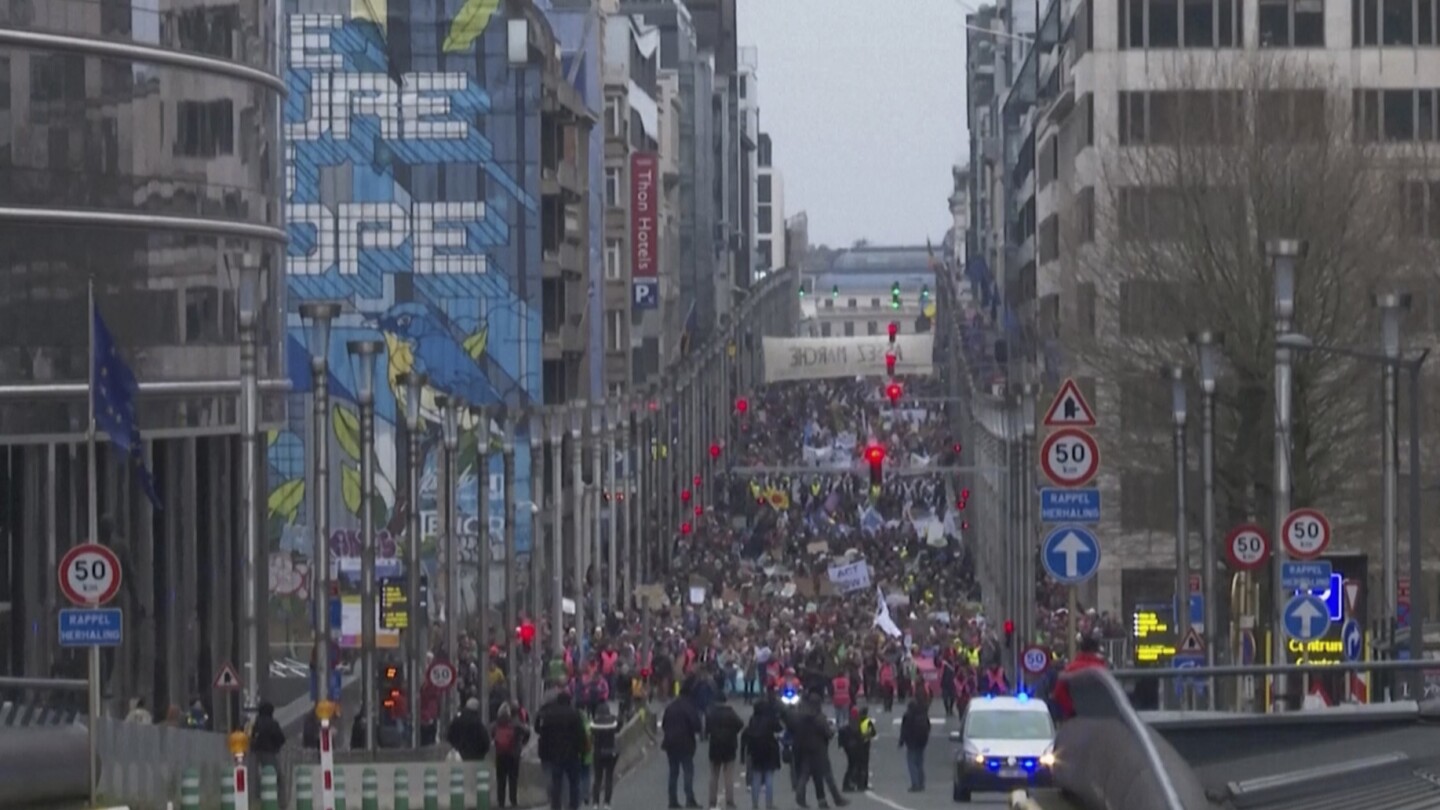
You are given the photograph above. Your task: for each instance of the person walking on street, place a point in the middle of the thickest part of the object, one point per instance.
(680, 726)
(266, 740)
(604, 753)
(914, 736)
(562, 744)
(723, 726)
(467, 734)
(509, 737)
(1087, 657)
(760, 751)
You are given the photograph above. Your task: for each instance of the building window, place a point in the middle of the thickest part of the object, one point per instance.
(1151, 309)
(1180, 23)
(1396, 116)
(1166, 118)
(1290, 116)
(849, 329)
(1049, 239)
(1085, 216)
(205, 128)
(829, 303)
(615, 330)
(612, 186)
(1393, 22)
(764, 221)
(825, 329)
(763, 189)
(766, 249)
(1049, 165)
(874, 303)
(614, 259)
(1419, 203)
(614, 121)
(872, 328)
(617, 390)
(1085, 301)
(1292, 23)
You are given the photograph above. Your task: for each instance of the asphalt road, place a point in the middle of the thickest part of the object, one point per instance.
(889, 784)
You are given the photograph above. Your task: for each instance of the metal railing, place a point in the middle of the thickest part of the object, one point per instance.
(33, 702)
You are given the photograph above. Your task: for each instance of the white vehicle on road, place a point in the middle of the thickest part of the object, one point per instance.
(1006, 743)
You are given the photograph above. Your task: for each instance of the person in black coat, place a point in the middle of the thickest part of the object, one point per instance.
(723, 726)
(467, 733)
(810, 730)
(562, 745)
(760, 750)
(266, 740)
(680, 726)
(605, 752)
(914, 736)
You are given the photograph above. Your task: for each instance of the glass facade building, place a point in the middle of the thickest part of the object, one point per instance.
(139, 152)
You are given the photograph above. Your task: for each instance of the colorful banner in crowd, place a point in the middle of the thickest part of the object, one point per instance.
(789, 359)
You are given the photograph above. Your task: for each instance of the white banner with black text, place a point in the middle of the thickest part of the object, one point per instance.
(789, 359)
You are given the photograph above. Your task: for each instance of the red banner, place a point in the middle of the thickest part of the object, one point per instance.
(644, 215)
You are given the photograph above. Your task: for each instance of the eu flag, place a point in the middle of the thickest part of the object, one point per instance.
(112, 393)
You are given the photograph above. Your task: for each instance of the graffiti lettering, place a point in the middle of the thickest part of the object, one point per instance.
(346, 543)
(441, 237)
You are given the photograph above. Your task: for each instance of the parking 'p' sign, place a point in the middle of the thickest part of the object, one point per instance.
(89, 575)
(1306, 534)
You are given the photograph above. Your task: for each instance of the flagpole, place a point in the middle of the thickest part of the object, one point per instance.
(92, 483)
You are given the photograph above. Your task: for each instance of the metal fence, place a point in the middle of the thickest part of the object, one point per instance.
(143, 763)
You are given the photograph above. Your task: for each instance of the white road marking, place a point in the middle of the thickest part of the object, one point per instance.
(890, 803)
(942, 720)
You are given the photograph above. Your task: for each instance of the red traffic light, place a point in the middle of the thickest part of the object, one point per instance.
(957, 448)
(893, 392)
(742, 405)
(685, 527)
(875, 454)
(698, 479)
(526, 632)
(894, 329)
(965, 494)
(960, 505)
(890, 363)
(699, 510)
(715, 450)
(964, 525)
(685, 496)
(1009, 627)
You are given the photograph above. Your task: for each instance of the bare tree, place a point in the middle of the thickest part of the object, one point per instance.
(1183, 206)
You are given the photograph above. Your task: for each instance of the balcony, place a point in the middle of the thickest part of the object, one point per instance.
(563, 177)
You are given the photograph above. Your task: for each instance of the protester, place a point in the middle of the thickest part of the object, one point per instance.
(680, 727)
(1087, 657)
(723, 727)
(509, 738)
(605, 753)
(267, 738)
(914, 737)
(562, 744)
(467, 734)
(760, 751)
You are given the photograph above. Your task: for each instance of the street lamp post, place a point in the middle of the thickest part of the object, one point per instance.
(482, 531)
(557, 420)
(366, 352)
(579, 523)
(251, 558)
(612, 487)
(512, 585)
(1207, 346)
(1283, 254)
(449, 531)
(1176, 376)
(1391, 306)
(1028, 392)
(415, 633)
(321, 315)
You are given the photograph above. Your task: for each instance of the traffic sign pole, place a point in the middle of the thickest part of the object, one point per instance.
(90, 577)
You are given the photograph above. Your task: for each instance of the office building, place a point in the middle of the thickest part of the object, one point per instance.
(156, 175)
(769, 209)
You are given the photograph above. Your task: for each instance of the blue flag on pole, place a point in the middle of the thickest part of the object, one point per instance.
(113, 389)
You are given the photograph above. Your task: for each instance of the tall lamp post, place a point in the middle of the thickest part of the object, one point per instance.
(1391, 305)
(365, 352)
(1283, 254)
(415, 633)
(483, 597)
(1028, 392)
(321, 315)
(1208, 346)
(1412, 365)
(251, 558)
(1176, 376)
(445, 483)
(578, 522)
(597, 490)
(557, 420)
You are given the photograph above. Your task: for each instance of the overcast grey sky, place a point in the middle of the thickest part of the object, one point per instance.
(865, 104)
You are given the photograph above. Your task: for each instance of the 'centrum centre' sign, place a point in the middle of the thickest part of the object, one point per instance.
(823, 358)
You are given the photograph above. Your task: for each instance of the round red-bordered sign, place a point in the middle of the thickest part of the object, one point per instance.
(440, 675)
(89, 575)
(1035, 659)
(1305, 533)
(1247, 547)
(1070, 457)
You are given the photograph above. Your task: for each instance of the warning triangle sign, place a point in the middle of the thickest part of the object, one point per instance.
(1352, 596)
(1069, 408)
(228, 679)
(1192, 643)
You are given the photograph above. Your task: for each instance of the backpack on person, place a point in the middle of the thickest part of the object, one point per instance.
(506, 740)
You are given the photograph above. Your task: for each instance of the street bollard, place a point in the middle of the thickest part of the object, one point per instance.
(457, 786)
(402, 788)
(269, 788)
(227, 792)
(304, 789)
(432, 789)
(190, 789)
(482, 788)
(339, 789)
(369, 790)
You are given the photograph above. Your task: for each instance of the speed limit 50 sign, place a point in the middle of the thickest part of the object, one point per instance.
(89, 575)
(1305, 533)
(1070, 457)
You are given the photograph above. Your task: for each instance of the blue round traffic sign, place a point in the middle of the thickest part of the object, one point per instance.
(1353, 640)
(1071, 555)
(1306, 617)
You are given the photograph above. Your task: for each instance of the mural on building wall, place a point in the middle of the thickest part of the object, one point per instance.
(408, 201)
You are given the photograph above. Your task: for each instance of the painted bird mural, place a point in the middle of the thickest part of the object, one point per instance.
(422, 340)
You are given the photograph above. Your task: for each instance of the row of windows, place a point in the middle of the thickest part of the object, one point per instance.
(1394, 22)
(1167, 118)
(827, 328)
(1282, 23)
(1397, 116)
(1180, 23)
(1420, 209)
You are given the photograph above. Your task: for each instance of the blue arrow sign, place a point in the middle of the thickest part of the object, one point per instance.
(1311, 575)
(1188, 660)
(1071, 555)
(1069, 505)
(91, 627)
(1306, 618)
(1352, 640)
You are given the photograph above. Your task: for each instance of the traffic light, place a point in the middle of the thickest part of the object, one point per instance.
(895, 295)
(715, 450)
(742, 405)
(685, 496)
(1009, 634)
(525, 634)
(685, 527)
(894, 329)
(890, 363)
(835, 291)
(698, 479)
(965, 494)
(957, 448)
(964, 525)
(875, 455)
(802, 289)
(893, 392)
(699, 510)
(925, 293)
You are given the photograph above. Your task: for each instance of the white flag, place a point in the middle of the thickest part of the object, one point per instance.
(882, 617)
